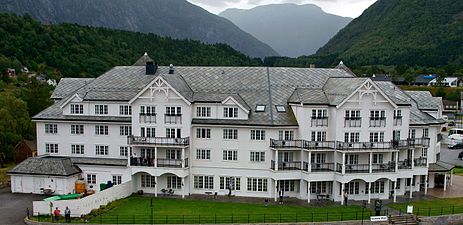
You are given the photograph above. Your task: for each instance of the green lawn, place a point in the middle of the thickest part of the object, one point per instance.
(434, 207)
(137, 209)
(458, 170)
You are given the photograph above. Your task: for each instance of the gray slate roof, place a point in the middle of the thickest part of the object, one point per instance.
(98, 161)
(51, 166)
(425, 100)
(68, 86)
(440, 166)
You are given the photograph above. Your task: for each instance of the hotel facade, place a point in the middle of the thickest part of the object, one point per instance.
(307, 133)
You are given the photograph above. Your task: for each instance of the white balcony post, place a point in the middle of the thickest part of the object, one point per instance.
(411, 187)
(445, 181)
(183, 159)
(308, 191)
(155, 157)
(451, 177)
(397, 162)
(343, 190)
(369, 192)
(275, 196)
(302, 159)
(413, 158)
(155, 186)
(370, 168)
(276, 161)
(183, 187)
(343, 163)
(309, 169)
(395, 190)
(426, 184)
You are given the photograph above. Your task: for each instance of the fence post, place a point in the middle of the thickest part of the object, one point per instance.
(232, 218)
(326, 216)
(400, 211)
(100, 219)
(117, 219)
(453, 209)
(280, 217)
(38, 216)
(342, 216)
(248, 217)
(183, 218)
(441, 211)
(296, 217)
(133, 219)
(356, 214)
(166, 218)
(215, 219)
(264, 217)
(418, 212)
(429, 211)
(199, 219)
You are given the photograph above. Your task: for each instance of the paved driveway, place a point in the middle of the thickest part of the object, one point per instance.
(13, 206)
(450, 155)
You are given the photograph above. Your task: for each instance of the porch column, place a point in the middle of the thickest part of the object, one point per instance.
(369, 192)
(155, 186)
(155, 157)
(413, 158)
(411, 187)
(301, 188)
(395, 190)
(397, 161)
(308, 191)
(310, 162)
(183, 159)
(302, 159)
(426, 184)
(445, 181)
(343, 164)
(371, 163)
(183, 187)
(451, 177)
(275, 196)
(276, 163)
(343, 189)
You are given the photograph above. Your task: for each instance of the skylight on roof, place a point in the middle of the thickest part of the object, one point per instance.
(280, 108)
(260, 108)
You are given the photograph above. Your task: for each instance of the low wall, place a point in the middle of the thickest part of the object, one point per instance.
(84, 205)
(442, 220)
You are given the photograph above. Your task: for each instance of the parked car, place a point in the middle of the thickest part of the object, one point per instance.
(460, 156)
(455, 138)
(451, 123)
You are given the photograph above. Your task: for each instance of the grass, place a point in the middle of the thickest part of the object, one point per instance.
(458, 170)
(137, 209)
(434, 207)
(4, 178)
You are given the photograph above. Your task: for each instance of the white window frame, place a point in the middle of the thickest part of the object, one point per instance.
(203, 111)
(51, 148)
(125, 130)
(77, 129)
(117, 179)
(102, 130)
(203, 133)
(125, 110)
(77, 149)
(258, 135)
(257, 184)
(76, 109)
(51, 128)
(102, 150)
(230, 155)
(230, 134)
(91, 178)
(257, 156)
(230, 112)
(203, 154)
(101, 109)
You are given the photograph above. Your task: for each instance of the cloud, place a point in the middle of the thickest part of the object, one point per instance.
(215, 3)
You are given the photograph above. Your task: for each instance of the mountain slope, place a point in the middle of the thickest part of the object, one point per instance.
(76, 51)
(290, 29)
(393, 32)
(173, 18)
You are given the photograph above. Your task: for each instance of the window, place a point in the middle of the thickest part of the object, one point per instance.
(101, 130)
(203, 111)
(51, 128)
(124, 150)
(286, 185)
(173, 154)
(173, 111)
(412, 134)
(398, 117)
(230, 134)
(286, 135)
(125, 130)
(174, 182)
(352, 114)
(396, 135)
(101, 109)
(378, 158)
(425, 132)
(101, 149)
(147, 110)
(257, 184)
(230, 112)
(77, 109)
(203, 182)
(51, 148)
(280, 108)
(352, 137)
(318, 158)
(117, 179)
(203, 154)
(125, 110)
(285, 156)
(91, 178)
(377, 118)
(424, 152)
(376, 136)
(230, 155)
(352, 118)
(77, 129)
(260, 108)
(148, 131)
(352, 188)
(377, 187)
(352, 159)
(318, 187)
(203, 133)
(257, 156)
(258, 135)
(147, 181)
(232, 183)
(318, 136)
(77, 149)
(173, 132)
(319, 117)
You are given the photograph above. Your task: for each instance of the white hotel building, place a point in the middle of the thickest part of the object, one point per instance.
(310, 132)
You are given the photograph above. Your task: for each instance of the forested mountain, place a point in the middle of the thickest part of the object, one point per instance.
(171, 18)
(393, 32)
(73, 50)
(290, 29)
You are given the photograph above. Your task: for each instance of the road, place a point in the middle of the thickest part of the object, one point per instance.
(450, 155)
(13, 206)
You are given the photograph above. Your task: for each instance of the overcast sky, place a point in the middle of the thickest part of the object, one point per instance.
(350, 8)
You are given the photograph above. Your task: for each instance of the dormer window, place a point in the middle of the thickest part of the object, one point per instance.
(230, 112)
(77, 109)
(101, 109)
(280, 108)
(260, 108)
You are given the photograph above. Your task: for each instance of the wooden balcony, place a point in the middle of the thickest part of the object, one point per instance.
(158, 141)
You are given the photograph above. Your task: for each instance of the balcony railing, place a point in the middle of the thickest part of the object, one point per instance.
(147, 117)
(398, 121)
(137, 140)
(302, 144)
(406, 164)
(322, 167)
(421, 162)
(352, 121)
(383, 167)
(346, 146)
(149, 162)
(319, 122)
(357, 168)
(377, 121)
(173, 118)
(294, 165)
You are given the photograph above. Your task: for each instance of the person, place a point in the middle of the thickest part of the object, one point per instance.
(345, 197)
(266, 202)
(56, 214)
(67, 214)
(280, 193)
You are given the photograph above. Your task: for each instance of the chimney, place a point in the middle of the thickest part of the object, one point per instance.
(171, 69)
(312, 65)
(151, 68)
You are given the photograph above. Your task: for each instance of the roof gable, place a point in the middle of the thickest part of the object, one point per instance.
(159, 85)
(368, 87)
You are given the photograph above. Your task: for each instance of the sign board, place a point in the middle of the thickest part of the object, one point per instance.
(378, 218)
(410, 209)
